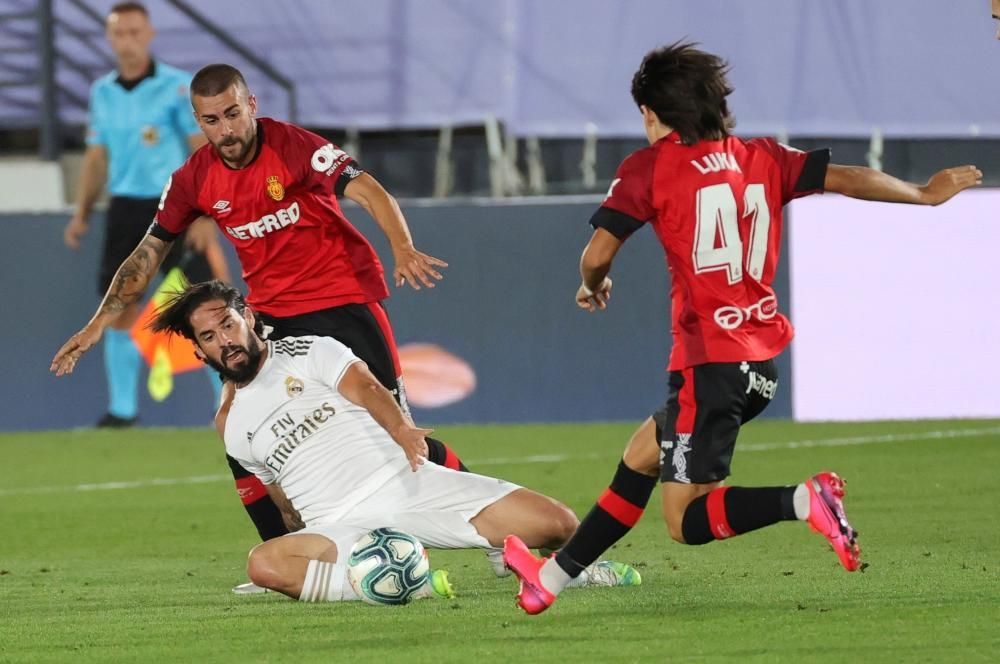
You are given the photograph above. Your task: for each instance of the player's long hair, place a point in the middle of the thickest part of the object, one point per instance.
(175, 315)
(686, 88)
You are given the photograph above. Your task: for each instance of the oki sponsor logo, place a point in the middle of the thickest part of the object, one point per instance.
(328, 159)
(266, 224)
(731, 317)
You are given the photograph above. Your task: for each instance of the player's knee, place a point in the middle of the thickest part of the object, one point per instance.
(262, 568)
(568, 523)
(564, 524)
(676, 530)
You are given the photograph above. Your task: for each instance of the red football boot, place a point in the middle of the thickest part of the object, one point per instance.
(533, 597)
(827, 517)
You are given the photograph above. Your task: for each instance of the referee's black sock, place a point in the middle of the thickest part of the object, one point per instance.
(729, 511)
(263, 512)
(616, 512)
(442, 455)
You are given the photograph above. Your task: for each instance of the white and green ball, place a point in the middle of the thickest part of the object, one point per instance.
(387, 566)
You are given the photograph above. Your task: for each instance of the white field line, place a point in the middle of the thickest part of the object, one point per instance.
(764, 447)
(539, 458)
(110, 486)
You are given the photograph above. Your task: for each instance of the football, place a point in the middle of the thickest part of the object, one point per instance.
(387, 566)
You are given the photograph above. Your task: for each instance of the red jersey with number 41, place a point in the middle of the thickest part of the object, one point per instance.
(716, 208)
(298, 251)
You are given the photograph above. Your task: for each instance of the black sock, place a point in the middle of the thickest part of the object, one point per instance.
(730, 511)
(263, 512)
(442, 455)
(616, 512)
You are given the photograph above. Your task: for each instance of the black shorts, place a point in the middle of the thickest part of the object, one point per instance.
(364, 328)
(128, 219)
(705, 408)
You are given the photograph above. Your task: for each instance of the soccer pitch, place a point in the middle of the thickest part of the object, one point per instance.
(123, 546)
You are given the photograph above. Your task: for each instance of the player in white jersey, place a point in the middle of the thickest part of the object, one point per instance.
(339, 458)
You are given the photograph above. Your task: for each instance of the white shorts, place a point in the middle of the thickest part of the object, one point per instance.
(434, 504)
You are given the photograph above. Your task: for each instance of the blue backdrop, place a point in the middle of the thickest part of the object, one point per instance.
(506, 306)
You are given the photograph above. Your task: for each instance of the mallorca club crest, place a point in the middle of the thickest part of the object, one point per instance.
(294, 386)
(275, 189)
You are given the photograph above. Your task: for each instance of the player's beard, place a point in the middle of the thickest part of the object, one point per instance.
(245, 144)
(243, 373)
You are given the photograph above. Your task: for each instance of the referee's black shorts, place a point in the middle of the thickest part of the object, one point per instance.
(128, 219)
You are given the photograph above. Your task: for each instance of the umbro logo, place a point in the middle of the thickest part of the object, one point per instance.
(222, 207)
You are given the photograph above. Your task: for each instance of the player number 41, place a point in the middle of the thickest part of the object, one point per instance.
(717, 217)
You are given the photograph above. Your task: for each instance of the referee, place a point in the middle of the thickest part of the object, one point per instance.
(140, 130)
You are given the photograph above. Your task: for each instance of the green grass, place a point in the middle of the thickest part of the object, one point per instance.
(143, 573)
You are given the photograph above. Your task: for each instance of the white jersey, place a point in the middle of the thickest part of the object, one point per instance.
(291, 425)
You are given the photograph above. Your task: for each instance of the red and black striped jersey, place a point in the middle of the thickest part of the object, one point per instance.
(298, 251)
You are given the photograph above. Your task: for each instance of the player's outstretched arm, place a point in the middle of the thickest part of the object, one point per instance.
(127, 287)
(871, 185)
(595, 264)
(412, 266)
(359, 386)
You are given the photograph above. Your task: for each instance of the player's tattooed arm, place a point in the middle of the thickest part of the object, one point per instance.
(126, 288)
(133, 276)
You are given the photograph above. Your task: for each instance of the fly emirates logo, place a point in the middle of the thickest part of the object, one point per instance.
(289, 433)
(266, 224)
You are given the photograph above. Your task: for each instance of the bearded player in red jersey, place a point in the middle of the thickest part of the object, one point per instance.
(715, 203)
(272, 188)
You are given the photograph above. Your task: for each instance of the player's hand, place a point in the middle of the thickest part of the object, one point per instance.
(65, 360)
(412, 440)
(75, 229)
(414, 267)
(945, 184)
(200, 235)
(596, 299)
(293, 520)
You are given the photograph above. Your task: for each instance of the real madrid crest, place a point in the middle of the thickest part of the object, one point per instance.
(294, 386)
(275, 189)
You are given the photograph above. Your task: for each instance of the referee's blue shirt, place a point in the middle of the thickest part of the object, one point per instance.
(144, 127)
